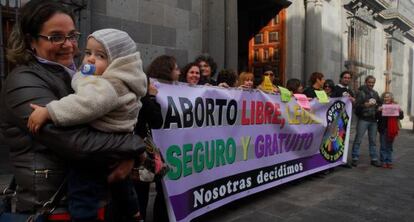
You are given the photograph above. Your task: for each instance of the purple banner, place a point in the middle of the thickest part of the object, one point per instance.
(225, 144)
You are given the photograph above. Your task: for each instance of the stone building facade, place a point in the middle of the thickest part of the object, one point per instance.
(369, 37)
(171, 27)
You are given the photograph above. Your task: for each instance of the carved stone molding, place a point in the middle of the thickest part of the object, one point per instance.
(315, 2)
(366, 10)
(399, 16)
(375, 6)
(410, 35)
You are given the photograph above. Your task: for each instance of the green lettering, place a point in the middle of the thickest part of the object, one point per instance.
(198, 159)
(186, 159)
(172, 153)
(231, 150)
(220, 149)
(209, 155)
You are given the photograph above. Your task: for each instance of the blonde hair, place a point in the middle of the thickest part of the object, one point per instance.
(389, 94)
(245, 76)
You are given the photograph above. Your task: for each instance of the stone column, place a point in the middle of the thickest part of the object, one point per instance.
(295, 46)
(214, 35)
(231, 58)
(313, 37)
(220, 32)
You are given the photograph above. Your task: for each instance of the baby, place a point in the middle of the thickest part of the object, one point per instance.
(108, 100)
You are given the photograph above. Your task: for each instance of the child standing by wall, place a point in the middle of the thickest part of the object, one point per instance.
(108, 100)
(388, 129)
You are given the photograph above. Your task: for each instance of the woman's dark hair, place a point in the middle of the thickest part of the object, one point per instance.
(330, 83)
(293, 85)
(162, 67)
(315, 76)
(267, 68)
(228, 76)
(210, 61)
(183, 76)
(32, 16)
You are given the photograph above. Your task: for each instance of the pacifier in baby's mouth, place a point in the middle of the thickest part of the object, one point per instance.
(88, 69)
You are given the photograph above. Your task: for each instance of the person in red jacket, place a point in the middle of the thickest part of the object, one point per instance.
(388, 129)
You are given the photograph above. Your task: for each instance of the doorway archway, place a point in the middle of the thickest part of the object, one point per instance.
(261, 38)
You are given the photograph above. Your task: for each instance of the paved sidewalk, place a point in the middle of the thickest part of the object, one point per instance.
(363, 193)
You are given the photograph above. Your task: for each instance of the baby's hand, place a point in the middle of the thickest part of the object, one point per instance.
(152, 90)
(38, 118)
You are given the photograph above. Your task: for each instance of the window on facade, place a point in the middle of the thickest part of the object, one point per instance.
(266, 54)
(276, 55)
(258, 39)
(361, 43)
(256, 55)
(273, 36)
(396, 53)
(276, 20)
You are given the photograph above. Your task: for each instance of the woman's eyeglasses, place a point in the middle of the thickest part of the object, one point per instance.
(60, 39)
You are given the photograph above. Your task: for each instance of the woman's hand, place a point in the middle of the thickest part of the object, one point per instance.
(38, 118)
(121, 171)
(224, 85)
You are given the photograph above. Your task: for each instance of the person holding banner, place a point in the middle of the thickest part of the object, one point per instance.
(388, 115)
(328, 87)
(191, 74)
(268, 78)
(366, 106)
(165, 68)
(227, 78)
(246, 80)
(295, 86)
(342, 88)
(208, 68)
(316, 80)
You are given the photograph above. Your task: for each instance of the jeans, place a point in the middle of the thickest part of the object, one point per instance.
(362, 127)
(87, 189)
(386, 148)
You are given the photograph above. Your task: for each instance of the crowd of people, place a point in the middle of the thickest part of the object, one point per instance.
(53, 115)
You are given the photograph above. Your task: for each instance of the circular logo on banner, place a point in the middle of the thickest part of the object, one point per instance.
(333, 142)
